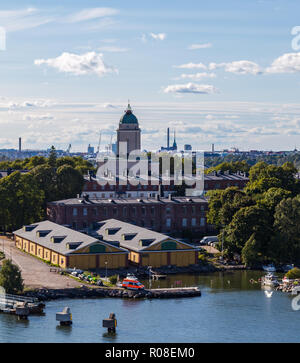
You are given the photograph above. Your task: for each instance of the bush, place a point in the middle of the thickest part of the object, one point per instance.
(294, 273)
(10, 278)
(202, 257)
(113, 279)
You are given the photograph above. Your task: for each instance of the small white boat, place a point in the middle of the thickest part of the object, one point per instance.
(269, 280)
(269, 268)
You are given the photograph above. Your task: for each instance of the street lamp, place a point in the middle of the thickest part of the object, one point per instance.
(106, 270)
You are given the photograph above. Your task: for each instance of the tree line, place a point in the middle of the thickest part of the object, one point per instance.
(24, 196)
(260, 224)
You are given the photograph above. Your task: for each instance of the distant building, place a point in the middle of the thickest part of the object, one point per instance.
(146, 188)
(168, 147)
(90, 150)
(129, 131)
(187, 147)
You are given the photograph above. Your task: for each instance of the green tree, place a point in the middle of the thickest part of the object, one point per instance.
(11, 278)
(287, 223)
(69, 182)
(52, 157)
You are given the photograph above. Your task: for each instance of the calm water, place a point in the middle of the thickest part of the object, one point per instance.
(229, 310)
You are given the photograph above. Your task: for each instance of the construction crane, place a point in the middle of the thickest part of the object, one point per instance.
(68, 149)
(110, 144)
(99, 143)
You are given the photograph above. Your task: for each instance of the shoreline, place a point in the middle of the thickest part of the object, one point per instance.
(85, 292)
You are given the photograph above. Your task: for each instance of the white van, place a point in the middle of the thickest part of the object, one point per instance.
(207, 240)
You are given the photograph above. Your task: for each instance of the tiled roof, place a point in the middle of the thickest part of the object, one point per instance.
(49, 232)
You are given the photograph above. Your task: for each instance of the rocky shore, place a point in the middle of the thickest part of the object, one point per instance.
(84, 292)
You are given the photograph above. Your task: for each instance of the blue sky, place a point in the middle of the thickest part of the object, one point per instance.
(217, 72)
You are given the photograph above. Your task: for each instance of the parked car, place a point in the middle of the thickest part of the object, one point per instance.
(207, 240)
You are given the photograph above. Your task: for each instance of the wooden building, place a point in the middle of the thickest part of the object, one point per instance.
(146, 247)
(67, 248)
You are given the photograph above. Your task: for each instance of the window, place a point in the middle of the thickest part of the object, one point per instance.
(74, 212)
(168, 210)
(95, 211)
(115, 211)
(85, 212)
(184, 222)
(134, 211)
(202, 222)
(193, 209)
(105, 211)
(143, 211)
(194, 222)
(84, 225)
(168, 222)
(152, 211)
(202, 208)
(184, 210)
(124, 212)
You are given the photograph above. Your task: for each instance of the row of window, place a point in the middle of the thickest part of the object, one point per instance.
(133, 211)
(151, 223)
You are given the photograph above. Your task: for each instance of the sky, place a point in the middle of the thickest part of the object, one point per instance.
(215, 72)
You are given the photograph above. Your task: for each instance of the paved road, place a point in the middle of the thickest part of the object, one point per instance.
(36, 274)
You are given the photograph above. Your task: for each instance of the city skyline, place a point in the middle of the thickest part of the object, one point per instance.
(218, 73)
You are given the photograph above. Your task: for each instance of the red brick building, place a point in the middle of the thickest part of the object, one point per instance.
(146, 189)
(166, 215)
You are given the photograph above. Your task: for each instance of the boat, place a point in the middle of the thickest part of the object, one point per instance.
(269, 280)
(269, 268)
(132, 283)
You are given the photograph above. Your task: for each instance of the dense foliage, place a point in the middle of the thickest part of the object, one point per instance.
(11, 278)
(23, 196)
(278, 160)
(262, 222)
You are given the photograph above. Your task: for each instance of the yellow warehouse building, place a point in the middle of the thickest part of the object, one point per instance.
(67, 248)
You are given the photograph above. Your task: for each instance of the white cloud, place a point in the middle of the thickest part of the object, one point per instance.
(191, 66)
(238, 67)
(89, 14)
(15, 20)
(158, 36)
(88, 63)
(198, 75)
(191, 88)
(38, 117)
(287, 63)
(113, 49)
(200, 46)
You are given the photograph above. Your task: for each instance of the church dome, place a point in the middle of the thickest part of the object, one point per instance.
(128, 117)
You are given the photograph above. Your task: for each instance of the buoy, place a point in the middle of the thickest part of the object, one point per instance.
(110, 323)
(64, 317)
(22, 310)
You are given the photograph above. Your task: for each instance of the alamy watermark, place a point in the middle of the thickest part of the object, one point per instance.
(141, 168)
(296, 40)
(2, 38)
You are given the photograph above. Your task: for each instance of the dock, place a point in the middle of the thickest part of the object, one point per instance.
(175, 292)
(11, 304)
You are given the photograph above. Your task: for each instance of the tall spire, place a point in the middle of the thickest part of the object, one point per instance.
(128, 110)
(174, 143)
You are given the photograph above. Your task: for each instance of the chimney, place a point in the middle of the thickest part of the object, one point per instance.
(168, 137)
